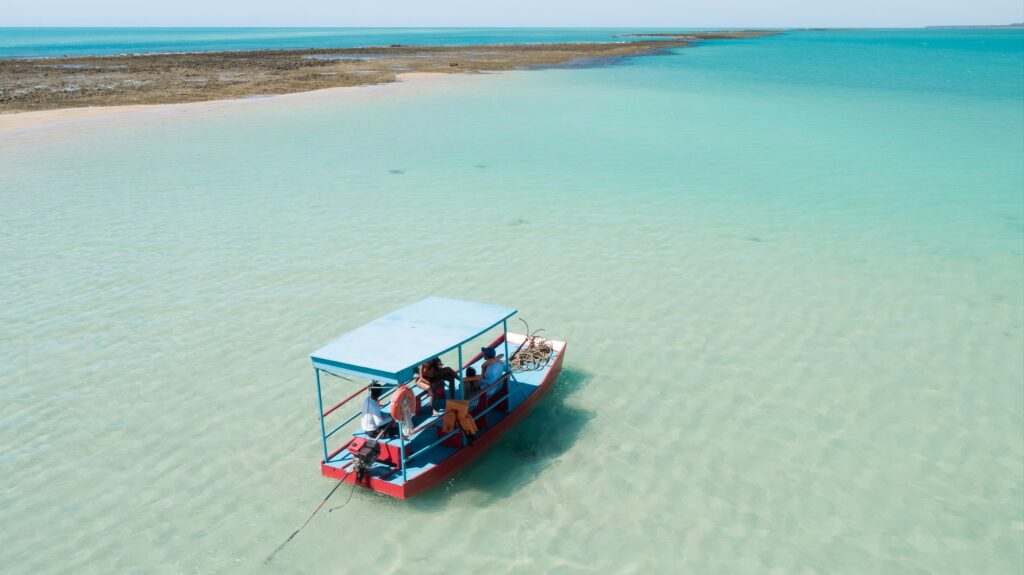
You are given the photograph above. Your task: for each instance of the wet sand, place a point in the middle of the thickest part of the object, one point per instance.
(33, 85)
(17, 122)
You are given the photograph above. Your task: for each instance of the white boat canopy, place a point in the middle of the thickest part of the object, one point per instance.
(390, 348)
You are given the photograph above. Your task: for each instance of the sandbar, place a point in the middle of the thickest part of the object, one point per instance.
(45, 91)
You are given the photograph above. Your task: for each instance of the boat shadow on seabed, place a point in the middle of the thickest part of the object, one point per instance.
(534, 444)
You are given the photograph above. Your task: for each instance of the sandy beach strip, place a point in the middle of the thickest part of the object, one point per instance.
(12, 123)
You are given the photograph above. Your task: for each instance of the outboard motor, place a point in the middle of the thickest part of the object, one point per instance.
(364, 452)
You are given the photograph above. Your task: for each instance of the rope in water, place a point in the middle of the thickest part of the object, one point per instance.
(319, 507)
(311, 515)
(350, 494)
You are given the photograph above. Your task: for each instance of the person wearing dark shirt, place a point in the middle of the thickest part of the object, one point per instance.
(432, 378)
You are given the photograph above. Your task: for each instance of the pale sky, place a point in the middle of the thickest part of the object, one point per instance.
(510, 13)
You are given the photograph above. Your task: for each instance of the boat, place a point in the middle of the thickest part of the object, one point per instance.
(387, 353)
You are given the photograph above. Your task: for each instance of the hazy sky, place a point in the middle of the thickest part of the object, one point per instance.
(651, 13)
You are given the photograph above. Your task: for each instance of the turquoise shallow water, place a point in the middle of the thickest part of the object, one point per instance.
(791, 272)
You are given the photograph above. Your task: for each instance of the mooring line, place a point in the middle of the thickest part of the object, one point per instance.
(350, 493)
(311, 515)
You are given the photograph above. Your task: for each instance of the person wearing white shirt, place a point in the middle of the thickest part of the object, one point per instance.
(376, 423)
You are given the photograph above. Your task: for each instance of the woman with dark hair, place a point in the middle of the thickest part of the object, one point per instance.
(431, 378)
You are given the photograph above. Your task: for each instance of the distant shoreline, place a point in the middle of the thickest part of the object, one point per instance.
(40, 84)
(1015, 25)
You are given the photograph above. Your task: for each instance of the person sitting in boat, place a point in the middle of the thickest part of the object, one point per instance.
(376, 423)
(432, 378)
(494, 369)
(471, 385)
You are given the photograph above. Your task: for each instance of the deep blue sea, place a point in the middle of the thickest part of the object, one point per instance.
(790, 271)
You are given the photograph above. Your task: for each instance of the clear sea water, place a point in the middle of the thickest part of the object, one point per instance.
(791, 272)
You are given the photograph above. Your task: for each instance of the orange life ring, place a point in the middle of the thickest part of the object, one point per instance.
(404, 401)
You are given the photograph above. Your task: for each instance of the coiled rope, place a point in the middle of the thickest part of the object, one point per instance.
(534, 354)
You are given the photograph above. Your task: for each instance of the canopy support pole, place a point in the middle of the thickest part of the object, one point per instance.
(504, 328)
(461, 383)
(320, 410)
(508, 364)
(463, 386)
(401, 432)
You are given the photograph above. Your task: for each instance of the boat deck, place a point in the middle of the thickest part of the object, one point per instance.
(524, 386)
